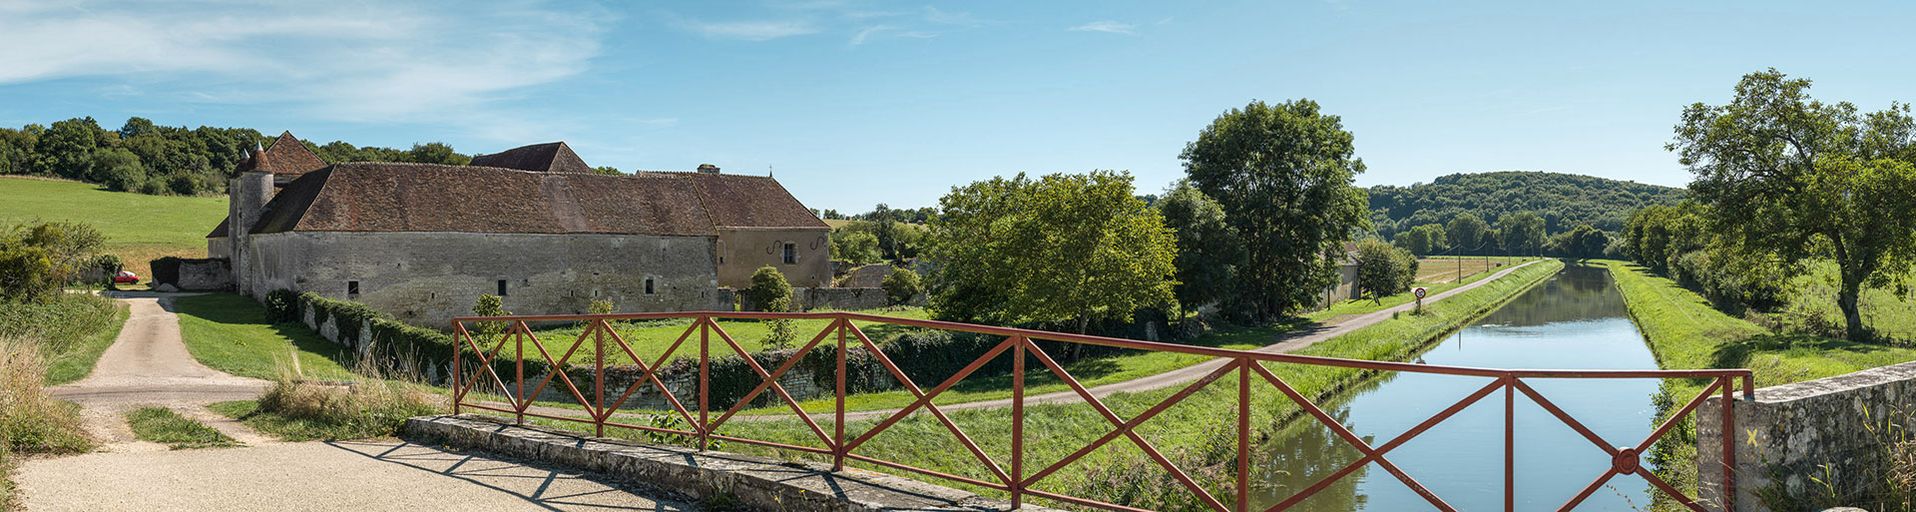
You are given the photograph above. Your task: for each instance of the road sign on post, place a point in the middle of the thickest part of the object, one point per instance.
(1420, 292)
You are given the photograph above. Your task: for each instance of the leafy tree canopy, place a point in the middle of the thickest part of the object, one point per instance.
(1786, 175)
(1283, 174)
(1063, 249)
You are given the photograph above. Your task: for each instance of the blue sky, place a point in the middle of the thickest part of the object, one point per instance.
(854, 103)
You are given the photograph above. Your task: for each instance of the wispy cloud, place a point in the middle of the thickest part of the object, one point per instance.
(955, 18)
(887, 31)
(757, 30)
(393, 62)
(1107, 26)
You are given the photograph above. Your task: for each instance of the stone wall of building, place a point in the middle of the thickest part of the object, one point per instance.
(1824, 428)
(743, 251)
(868, 276)
(427, 278)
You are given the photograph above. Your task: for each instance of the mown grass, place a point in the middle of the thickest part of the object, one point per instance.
(230, 333)
(138, 227)
(1684, 331)
(1811, 307)
(1196, 433)
(650, 338)
(162, 425)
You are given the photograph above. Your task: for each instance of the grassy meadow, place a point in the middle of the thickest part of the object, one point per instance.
(230, 333)
(138, 227)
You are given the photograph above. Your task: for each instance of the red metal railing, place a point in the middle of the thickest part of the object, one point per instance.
(1020, 342)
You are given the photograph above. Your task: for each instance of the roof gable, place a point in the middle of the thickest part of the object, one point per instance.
(548, 157)
(286, 155)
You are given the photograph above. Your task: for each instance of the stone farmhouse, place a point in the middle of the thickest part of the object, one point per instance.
(533, 225)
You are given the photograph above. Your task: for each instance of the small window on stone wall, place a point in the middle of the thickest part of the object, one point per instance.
(791, 254)
(502, 287)
(352, 289)
(648, 286)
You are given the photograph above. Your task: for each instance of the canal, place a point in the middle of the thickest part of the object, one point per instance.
(1574, 320)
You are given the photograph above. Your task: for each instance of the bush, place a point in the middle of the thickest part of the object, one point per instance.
(768, 287)
(282, 306)
(1383, 269)
(901, 285)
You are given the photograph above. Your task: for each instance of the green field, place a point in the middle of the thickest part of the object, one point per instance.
(138, 227)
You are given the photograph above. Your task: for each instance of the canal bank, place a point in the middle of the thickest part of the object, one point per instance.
(1575, 319)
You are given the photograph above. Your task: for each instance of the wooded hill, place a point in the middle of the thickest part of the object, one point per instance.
(1564, 200)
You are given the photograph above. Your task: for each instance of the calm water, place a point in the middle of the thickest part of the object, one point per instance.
(1574, 320)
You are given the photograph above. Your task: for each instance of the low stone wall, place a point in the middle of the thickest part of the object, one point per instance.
(840, 298)
(749, 483)
(1791, 433)
(868, 276)
(192, 275)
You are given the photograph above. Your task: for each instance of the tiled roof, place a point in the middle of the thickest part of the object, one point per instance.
(548, 157)
(286, 156)
(404, 197)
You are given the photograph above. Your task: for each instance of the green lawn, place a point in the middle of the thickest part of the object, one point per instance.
(1812, 306)
(162, 425)
(138, 227)
(1192, 433)
(71, 331)
(230, 333)
(1686, 332)
(78, 359)
(649, 339)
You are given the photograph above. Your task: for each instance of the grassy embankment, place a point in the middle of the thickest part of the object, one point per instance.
(162, 425)
(138, 227)
(1190, 433)
(43, 344)
(1686, 332)
(230, 333)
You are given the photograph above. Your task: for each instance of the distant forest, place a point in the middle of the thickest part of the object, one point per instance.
(1563, 200)
(144, 157)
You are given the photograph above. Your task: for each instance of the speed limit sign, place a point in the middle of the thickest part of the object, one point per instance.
(1420, 291)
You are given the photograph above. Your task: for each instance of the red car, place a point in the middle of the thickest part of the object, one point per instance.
(126, 277)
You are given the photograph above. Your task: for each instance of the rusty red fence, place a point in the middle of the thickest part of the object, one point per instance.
(1016, 479)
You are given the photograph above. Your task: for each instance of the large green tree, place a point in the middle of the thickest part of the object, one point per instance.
(1423, 240)
(1064, 249)
(1283, 174)
(1384, 269)
(1466, 233)
(1796, 178)
(1209, 250)
(1522, 232)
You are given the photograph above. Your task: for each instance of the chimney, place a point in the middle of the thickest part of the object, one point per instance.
(708, 169)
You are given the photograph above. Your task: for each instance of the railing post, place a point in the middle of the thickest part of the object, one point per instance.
(705, 381)
(1729, 444)
(838, 428)
(519, 377)
(598, 376)
(1510, 443)
(1018, 424)
(1244, 433)
(458, 345)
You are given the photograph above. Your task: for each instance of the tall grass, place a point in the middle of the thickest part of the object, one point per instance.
(374, 404)
(71, 331)
(30, 421)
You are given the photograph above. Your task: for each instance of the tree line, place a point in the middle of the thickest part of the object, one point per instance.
(1781, 179)
(148, 158)
(1563, 201)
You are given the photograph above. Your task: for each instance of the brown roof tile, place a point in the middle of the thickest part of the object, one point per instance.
(286, 155)
(399, 197)
(548, 157)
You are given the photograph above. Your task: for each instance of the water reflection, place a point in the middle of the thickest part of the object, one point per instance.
(1575, 320)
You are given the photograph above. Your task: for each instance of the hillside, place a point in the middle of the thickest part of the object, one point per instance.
(1564, 200)
(138, 227)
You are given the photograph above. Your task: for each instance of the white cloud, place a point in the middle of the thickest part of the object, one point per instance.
(1107, 26)
(391, 62)
(880, 31)
(764, 30)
